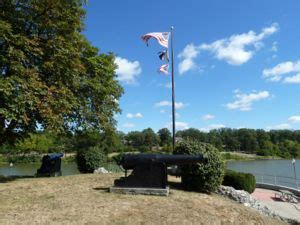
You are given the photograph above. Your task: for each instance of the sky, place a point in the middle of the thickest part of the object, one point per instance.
(236, 63)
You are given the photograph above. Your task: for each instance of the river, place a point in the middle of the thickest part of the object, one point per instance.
(277, 172)
(29, 169)
(269, 169)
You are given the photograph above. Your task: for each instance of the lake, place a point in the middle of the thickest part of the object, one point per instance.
(30, 169)
(269, 168)
(279, 172)
(67, 168)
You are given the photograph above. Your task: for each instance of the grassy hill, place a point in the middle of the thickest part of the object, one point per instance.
(84, 199)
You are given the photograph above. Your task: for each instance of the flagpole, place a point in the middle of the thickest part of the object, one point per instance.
(173, 91)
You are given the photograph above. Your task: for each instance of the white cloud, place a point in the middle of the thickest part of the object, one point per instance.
(129, 115)
(212, 127)
(178, 126)
(208, 117)
(189, 53)
(127, 70)
(137, 115)
(294, 119)
(244, 102)
(293, 79)
(282, 126)
(274, 47)
(162, 111)
(276, 73)
(128, 125)
(235, 50)
(178, 105)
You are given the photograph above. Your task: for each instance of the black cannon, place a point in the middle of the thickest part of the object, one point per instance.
(150, 170)
(51, 165)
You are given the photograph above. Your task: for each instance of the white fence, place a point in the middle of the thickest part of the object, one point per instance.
(276, 180)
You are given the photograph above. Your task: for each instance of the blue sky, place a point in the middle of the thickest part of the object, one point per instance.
(237, 63)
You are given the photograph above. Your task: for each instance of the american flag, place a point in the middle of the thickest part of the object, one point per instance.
(161, 37)
(164, 69)
(163, 55)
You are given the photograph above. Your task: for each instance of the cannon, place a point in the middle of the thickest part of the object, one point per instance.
(51, 165)
(150, 170)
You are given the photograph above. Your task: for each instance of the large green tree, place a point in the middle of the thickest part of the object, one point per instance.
(165, 136)
(50, 75)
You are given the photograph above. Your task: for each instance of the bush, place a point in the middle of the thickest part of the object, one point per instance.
(90, 159)
(203, 177)
(24, 159)
(240, 181)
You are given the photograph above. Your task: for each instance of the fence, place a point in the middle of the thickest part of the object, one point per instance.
(277, 180)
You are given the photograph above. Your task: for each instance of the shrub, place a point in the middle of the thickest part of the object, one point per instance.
(240, 181)
(90, 159)
(24, 158)
(203, 177)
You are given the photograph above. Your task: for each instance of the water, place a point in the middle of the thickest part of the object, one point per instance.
(30, 169)
(278, 172)
(271, 167)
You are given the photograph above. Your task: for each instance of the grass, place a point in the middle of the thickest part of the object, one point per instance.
(237, 156)
(82, 199)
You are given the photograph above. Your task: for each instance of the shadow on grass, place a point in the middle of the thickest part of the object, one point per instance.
(4, 179)
(104, 189)
(175, 185)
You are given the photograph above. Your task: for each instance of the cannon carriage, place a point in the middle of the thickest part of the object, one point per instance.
(150, 170)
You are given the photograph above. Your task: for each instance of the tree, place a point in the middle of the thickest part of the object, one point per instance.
(135, 139)
(192, 133)
(247, 138)
(50, 75)
(164, 136)
(150, 138)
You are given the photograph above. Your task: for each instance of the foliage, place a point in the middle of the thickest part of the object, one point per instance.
(90, 159)
(283, 143)
(51, 76)
(165, 137)
(117, 158)
(240, 181)
(23, 158)
(150, 138)
(142, 141)
(231, 156)
(204, 177)
(192, 133)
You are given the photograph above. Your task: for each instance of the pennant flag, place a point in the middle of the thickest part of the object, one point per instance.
(164, 69)
(161, 37)
(163, 55)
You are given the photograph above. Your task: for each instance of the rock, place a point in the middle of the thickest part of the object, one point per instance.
(101, 170)
(247, 200)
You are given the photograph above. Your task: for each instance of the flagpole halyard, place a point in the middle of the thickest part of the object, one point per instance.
(173, 92)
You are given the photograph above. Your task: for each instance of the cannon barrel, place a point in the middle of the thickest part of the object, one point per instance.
(129, 161)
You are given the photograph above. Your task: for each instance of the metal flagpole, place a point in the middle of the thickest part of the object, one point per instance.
(173, 91)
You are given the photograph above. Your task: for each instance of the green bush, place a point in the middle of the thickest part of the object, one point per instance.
(90, 159)
(24, 158)
(240, 181)
(203, 177)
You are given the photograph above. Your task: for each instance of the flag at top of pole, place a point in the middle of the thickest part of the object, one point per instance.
(163, 39)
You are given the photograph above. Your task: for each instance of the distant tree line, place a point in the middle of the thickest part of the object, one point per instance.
(283, 143)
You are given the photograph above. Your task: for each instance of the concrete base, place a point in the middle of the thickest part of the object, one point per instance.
(140, 191)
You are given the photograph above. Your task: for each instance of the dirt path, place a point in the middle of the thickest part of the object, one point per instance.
(82, 199)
